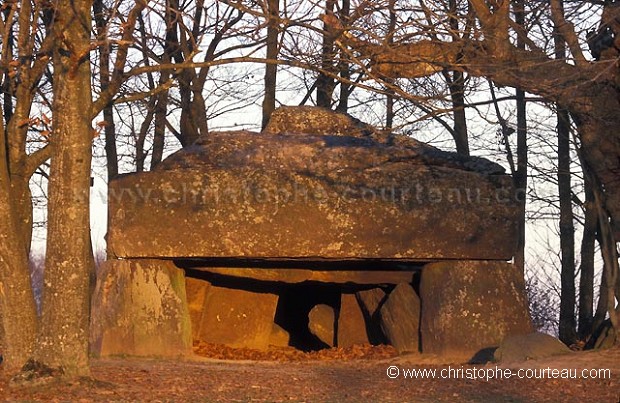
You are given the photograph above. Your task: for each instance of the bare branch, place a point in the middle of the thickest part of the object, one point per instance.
(567, 31)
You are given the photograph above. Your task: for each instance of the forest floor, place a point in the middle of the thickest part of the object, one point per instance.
(356, 375)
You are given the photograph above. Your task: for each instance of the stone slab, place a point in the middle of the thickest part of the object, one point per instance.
(279, 337)
(292, 276)
(470, 306)
(238, 318)
(351, 322)
(196, 291)
(244, 195)
(532, 346)
(139, 308)
(400, 319)
(370, 301)
(321, 322)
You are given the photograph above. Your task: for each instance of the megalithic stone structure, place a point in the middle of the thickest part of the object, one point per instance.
(316, 202)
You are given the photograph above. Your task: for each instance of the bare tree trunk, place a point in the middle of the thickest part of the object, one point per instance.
(520, 175)
(142, 133)
(586, 279)
(343, 66)
(159, 131)
(63, 335)
(457, 94)
(193, 121)
(390, 97)
(271, 70)
(18, 311)
(456, 85)
(157, 105)
(603, 296)
(325, 84)
(19, 320)
(611, 269)
(389, 110)
(567, 233)
(20, 177)
(104, 77)
(567, 326)
(22, 205)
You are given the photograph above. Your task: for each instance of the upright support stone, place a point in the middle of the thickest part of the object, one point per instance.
(321, 320)
(279, 337)
(469, 306)
(139, 308)
(351, 323)
(238, 318)
(196, 297)
(370, 302)
(400, 319)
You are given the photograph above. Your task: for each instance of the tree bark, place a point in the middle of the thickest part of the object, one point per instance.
(104, 77)
(271, 70)
(567, 325)
(193, 120)
(343, 65)
(159, 129)
(567, 233)
(390, 99)
(456, 85)
(19, 318)
(520, 174)
(603, 297)
(17, 307)
(586, 268)
(63, 335)
(17, 169)
(325, 84)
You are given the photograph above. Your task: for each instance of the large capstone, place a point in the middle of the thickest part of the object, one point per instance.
(304, 196)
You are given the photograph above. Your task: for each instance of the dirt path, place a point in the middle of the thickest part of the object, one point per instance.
(354, 380)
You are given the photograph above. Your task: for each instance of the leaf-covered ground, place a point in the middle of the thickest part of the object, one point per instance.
(355, 375)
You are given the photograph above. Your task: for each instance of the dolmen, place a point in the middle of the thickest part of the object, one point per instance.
(319, 231)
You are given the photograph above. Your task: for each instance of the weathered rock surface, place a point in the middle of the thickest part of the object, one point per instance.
(370, 302)
(321, 321)
(139, 308)
(529, 347)
(279, 337)
(351, 323)
(400, 319)
(238, 318)
(309, 196)
(2, 341)
(469, 306)
(292, 276)
(313, 120)
(196, 291)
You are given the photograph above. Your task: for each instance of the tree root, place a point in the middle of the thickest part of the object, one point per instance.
(35, 373)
